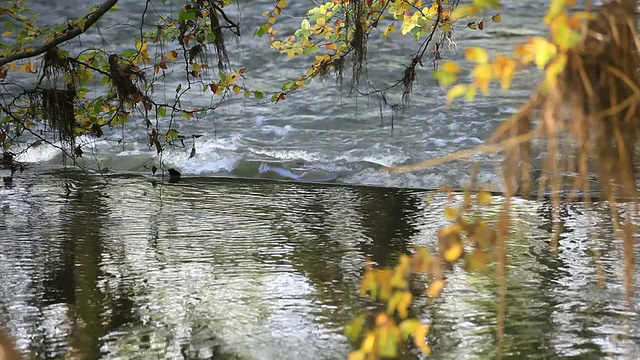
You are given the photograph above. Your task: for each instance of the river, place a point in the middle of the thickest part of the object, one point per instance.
(230, 264)
(270, 270)
(321, 133)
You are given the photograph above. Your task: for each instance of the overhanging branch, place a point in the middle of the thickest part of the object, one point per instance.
(68, 35)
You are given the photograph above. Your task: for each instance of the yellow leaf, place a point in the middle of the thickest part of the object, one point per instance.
(170, 56)
(454, 252)
(463, 11)
(272, 19)
(6, 33)
(471, 93)
(454, 228)
(554, 69)
(368, 343)
(408, 327)
(25, 67)
(399, 279)
(504, 69)
(236, 89)
(472, 25)
(368, 282)
(357, 355)
(433, 10)
(393, 302)
(450, 67)
(403, 304)
(483, 198)
(496, 18)
(419, 337)
(563, 35)
(383, 277)
(389, 29)
(477, 261)
(282, 3)
(446, 27)
(482, 77)
(450, 213)
(476, 54)
(435, 288)
(321, 21)
(407, 26)
(421, 259)
(455, 92)
(544, 51)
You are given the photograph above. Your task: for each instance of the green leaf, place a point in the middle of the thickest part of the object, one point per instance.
(83, 23)
(445, 78)
(97, 105)
(258, 94)
(162, 111)
(262, 29)
(305, 25)
(186, 15)
(354, 328)
(388, 346)
(9, 25)
(128, 54)
(172, 133)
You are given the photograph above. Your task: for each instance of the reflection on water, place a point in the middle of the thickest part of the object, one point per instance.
(258, 270)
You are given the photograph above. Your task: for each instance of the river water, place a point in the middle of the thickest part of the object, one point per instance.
(230, 269)
(320, 134)
(213, 267)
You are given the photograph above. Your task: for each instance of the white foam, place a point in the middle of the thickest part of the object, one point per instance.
(287, 154)
(42, 153)
(277, 130)
(208, 166)
(261, 120)
(386, 160)
(379, 154)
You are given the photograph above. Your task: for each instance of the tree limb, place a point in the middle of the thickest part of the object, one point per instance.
(68, 35)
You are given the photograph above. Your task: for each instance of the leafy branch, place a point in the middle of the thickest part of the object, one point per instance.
(83, 25)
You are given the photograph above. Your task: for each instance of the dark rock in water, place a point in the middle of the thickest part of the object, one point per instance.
(174, 175)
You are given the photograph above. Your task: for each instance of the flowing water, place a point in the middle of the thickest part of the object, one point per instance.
(320, 134)
(230, 269)
(216, 266)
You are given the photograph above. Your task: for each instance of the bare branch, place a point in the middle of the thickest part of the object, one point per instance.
(68, 35)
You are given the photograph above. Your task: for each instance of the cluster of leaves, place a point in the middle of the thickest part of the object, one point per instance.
(337, 29)
(183, 43)
(549, 55)
(67, 81)
(384, 333)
